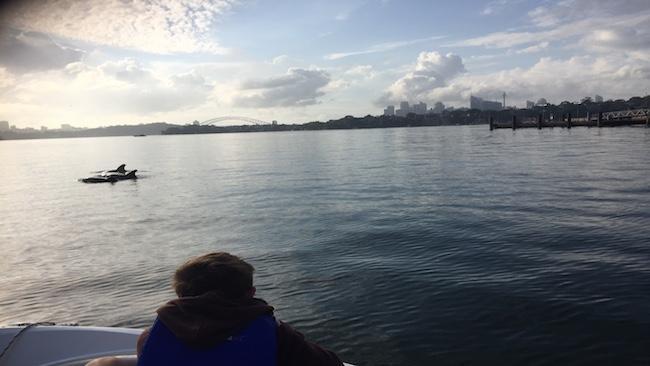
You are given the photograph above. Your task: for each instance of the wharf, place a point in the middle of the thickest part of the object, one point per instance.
(601, 119)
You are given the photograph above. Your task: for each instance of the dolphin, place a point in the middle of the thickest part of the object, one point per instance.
(119, 169)
(123, 176)
(112, 176)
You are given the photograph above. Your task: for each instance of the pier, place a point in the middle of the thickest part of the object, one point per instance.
(600, 119)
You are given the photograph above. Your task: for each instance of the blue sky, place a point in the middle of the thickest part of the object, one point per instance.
(92, 63)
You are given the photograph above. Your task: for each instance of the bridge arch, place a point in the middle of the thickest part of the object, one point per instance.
(213, 121)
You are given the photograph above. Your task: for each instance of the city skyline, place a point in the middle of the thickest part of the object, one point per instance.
(115, 62)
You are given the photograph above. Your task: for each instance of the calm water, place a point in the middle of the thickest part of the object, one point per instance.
(448, 245)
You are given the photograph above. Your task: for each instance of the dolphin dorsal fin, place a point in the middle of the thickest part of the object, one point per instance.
(120, 169)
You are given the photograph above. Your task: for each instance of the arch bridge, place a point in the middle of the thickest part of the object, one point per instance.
(217, 120)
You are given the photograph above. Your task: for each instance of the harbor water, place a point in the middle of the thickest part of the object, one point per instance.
(409, 246)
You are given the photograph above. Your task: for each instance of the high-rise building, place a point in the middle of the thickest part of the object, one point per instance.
(438, 107)
(389, 111)
(530, 104)
(403, 110)
(598, 99)
(475, 102)
(66, 127)
(43, 128)
(484, 105)
(420, 108)
(4, 125)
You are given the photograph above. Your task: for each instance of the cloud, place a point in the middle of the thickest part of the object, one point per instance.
(361, 72)
(298, 87)
(122, 87)
(155, 26)
(280, 59)
(30, 51)
(382, 47)
(571, 10)
(618, 39)
(615, 76)
(535, 48)
(351, 77)
(496, 6)
(342, 16)
(432, 70)
(7, 80)
(128, 70)
(581, 22)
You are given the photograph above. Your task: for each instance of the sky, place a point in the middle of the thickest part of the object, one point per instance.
(104, 62)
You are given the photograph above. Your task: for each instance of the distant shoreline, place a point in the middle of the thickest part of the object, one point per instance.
(346, 123)
(446, 118)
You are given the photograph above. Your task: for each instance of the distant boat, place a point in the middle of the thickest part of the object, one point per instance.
(139, 135)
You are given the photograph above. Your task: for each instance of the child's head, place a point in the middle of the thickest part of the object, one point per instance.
(220, 272)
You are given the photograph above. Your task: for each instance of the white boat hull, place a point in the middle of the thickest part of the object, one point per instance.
(65, 345)
(54, 345)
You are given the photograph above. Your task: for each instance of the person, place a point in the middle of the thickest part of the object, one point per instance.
(217, 318)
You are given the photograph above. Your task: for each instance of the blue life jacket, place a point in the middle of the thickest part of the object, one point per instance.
(254, 346)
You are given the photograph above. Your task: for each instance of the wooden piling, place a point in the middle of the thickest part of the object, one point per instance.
(514, 122)
(568, 120)
(539, 121)
(588, 119)
(599, 122)
(647, 119)
(491, 123)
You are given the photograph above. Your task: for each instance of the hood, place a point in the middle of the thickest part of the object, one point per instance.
(204, 321)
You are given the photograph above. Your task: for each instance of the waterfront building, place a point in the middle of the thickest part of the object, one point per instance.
(475, 102)
(403, 110)
(541, 102)
(438, 108)
(66, 127)
(484, 105)
(598, 99)
(420, 108)
(4, 125)
(492, 106)
(530, 104)
(43, 128)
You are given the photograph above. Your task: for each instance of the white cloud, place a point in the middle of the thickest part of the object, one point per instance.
(7, 80)
(615, 76)
(432, 70)
(361, 72)
(618, 39)
(382, 47)
(342, 16)
(497, 5)
(155, 26)
(582, 22)
(298, 87)
(353, 76)
(108, 91)
(535, 48)
(280, 59)
(128, 70)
